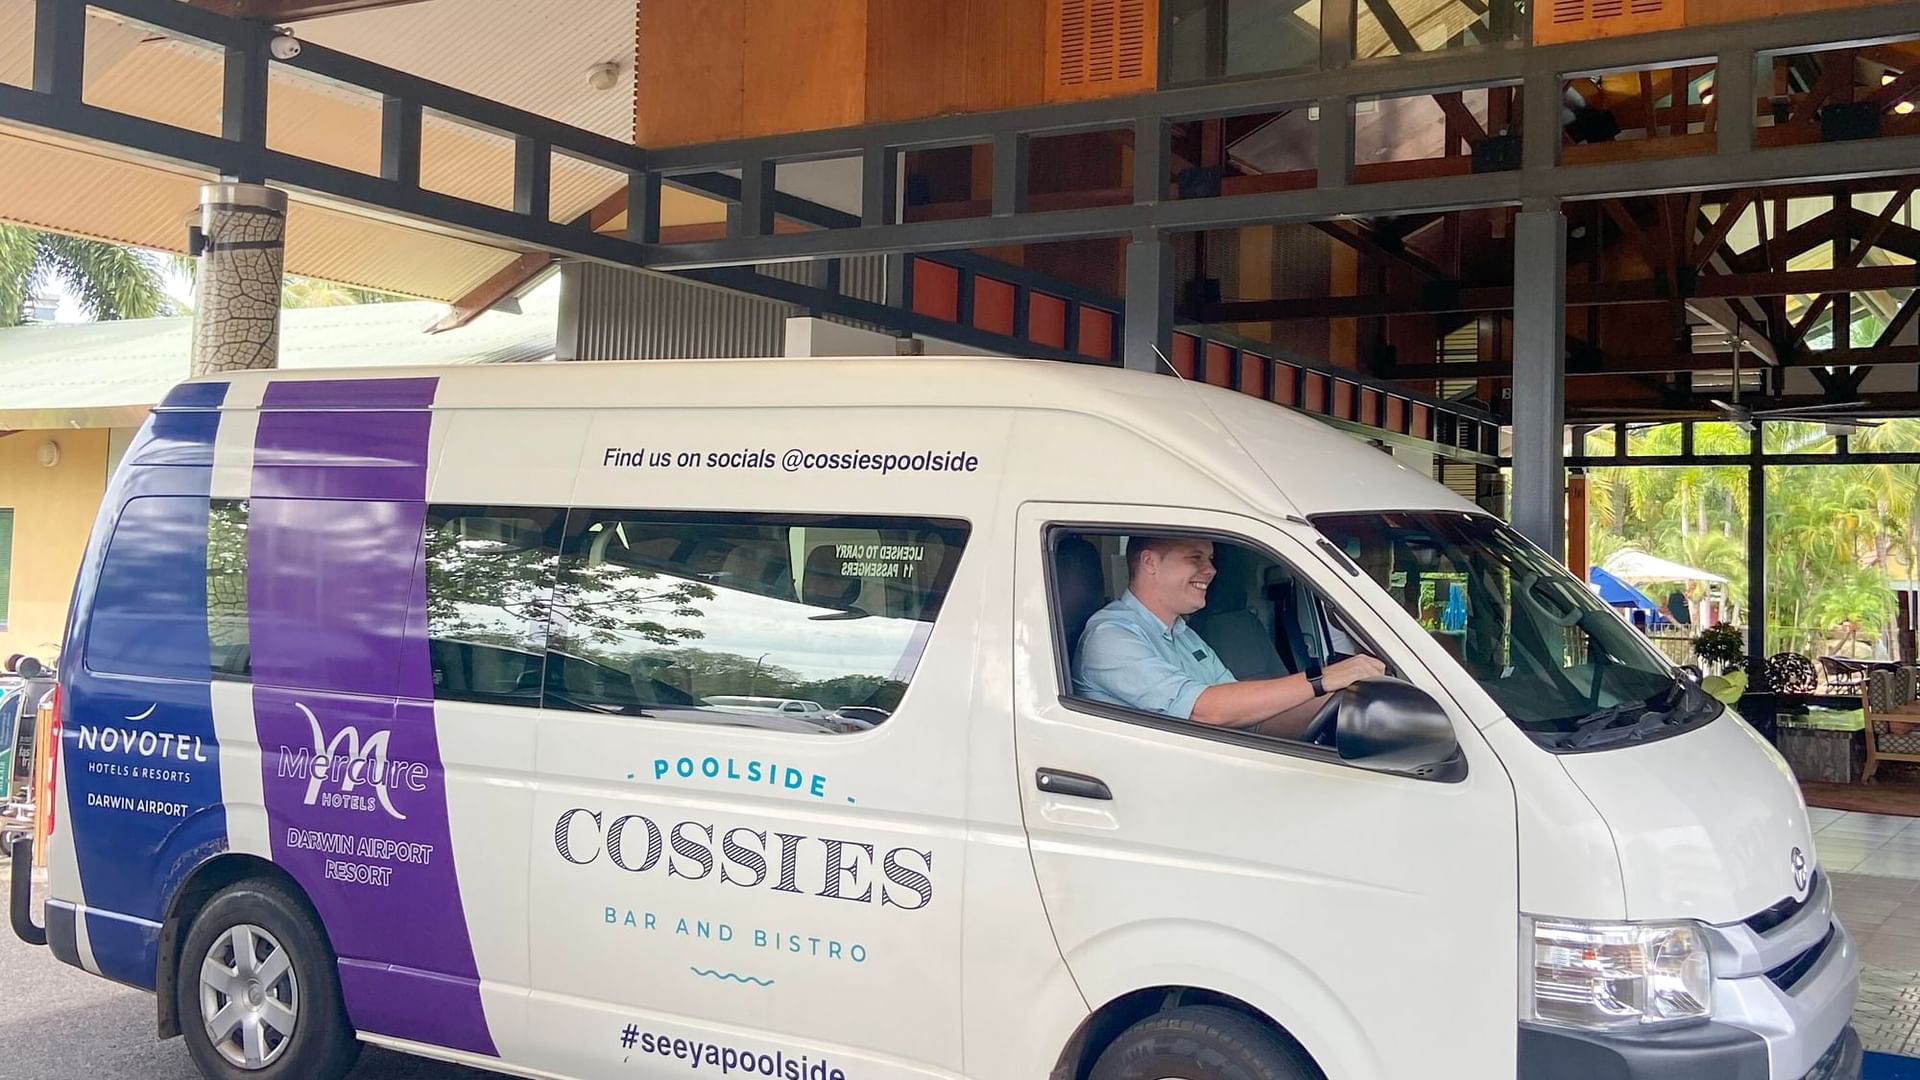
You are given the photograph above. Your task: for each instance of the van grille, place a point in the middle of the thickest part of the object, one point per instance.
(1778, 914)
(1789, 974)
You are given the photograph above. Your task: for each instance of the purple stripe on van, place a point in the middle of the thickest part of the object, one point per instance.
(355, 394)
(355, 789)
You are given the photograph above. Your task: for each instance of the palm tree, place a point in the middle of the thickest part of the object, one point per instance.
(109, 281)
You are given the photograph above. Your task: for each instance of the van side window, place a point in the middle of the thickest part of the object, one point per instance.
(490, 574)
(149, 612)
(232, 656)
(1253, 617)
(812, 625)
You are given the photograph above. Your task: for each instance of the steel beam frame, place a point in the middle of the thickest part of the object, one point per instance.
(55, 104)
(1341, 82)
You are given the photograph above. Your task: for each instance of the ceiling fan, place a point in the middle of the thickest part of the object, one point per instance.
(1834, 414)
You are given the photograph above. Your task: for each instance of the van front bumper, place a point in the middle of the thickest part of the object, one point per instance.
(1716, 1051)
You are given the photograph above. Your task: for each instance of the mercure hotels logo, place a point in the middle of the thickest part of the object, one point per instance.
(347, 772)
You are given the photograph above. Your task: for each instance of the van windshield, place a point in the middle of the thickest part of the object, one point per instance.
(1561, 663)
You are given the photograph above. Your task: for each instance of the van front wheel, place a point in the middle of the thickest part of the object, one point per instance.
(1201, 1042)
(259, 995)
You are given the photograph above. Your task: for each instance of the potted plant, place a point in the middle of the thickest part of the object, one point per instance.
(1721, 646)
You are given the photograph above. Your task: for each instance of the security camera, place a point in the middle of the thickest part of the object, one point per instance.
(284, 46)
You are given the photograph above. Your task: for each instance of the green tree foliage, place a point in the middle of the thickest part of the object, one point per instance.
(1837, 535)
(108, 280)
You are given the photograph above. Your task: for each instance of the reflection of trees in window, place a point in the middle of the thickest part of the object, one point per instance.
(702, 673)
(227, 587)
(490, 575)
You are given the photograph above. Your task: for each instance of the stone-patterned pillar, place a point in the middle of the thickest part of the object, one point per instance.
(236, 308)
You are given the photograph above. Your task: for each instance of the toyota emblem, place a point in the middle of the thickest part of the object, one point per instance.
(1800, 876)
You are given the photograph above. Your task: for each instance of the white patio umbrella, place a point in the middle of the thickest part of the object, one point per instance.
(1640, 566)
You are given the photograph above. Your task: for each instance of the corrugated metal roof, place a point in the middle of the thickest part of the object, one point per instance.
(534, 56)
(70, 190)
(81, 368)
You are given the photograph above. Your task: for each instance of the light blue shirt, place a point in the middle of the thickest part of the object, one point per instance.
(1129, 657)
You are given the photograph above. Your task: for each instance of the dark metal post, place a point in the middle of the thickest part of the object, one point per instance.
(1539, 376)
(1333, 143)
(1151, 159)
(754, 214)
(532, 177)
(1009, 174)
(1149, 316)
(1733, 102)
(643, 208)
(59, 48)
(400, 141)
(243, 105)
(879, 185)
(1756, 562)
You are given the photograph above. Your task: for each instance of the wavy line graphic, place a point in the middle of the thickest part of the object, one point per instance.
(728, 976)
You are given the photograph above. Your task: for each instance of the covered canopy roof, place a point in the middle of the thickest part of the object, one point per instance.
(1639, 566)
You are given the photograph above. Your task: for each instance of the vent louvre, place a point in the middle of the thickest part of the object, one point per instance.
(1099, 48)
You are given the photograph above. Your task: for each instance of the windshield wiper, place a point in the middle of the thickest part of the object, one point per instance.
(1630, 721)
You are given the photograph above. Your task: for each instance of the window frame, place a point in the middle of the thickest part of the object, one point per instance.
(1054, 531)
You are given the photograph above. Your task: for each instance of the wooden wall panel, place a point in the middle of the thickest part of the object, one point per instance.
(1005, 54)
(806, 65)
(689, 71)
(916, 66)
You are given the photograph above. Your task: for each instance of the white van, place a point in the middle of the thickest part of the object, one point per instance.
(446, 778)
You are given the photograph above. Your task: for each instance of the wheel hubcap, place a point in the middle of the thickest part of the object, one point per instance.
(249, 997)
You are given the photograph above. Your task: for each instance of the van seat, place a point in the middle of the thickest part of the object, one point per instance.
(1083, 588)
(1230, 622)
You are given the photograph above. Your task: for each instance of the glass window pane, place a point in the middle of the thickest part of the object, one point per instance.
(1222, 39)
(490, 574)
(230, 656)
(807, 625)
(1401, 27)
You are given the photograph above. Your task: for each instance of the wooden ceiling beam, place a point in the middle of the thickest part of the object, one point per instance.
(509, 280)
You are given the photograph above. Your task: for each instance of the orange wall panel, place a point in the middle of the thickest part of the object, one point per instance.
(806, 65)
(1004, 54)
(689, 71)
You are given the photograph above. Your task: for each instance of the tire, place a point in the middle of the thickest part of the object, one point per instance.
(1201, 1042)
(291, 983)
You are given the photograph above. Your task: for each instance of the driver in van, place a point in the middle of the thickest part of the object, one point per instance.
(1139, 652)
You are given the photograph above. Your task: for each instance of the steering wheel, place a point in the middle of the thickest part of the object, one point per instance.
(1319, 731)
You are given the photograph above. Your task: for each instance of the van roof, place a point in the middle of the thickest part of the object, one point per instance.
(1317, 468)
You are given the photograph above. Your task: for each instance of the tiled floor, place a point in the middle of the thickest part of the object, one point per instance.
(1874, 861)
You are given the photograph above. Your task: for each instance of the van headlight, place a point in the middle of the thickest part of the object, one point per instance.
(1618, 975)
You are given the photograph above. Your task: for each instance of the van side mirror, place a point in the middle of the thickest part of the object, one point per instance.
(1389, 725)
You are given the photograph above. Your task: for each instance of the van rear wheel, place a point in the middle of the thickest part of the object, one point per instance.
(259, 994)
(1201, 1042)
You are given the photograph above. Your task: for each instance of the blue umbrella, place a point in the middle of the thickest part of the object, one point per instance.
(1617, 593)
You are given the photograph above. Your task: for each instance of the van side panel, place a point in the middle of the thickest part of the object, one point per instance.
(354, 785)
(142, 792)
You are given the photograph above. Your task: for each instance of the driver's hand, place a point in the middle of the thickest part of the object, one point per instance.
(1352, 670)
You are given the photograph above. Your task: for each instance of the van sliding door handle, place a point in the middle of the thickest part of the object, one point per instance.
(1055, 782)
